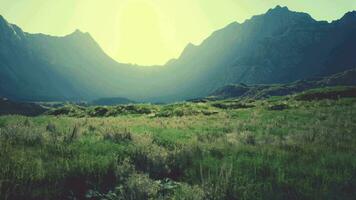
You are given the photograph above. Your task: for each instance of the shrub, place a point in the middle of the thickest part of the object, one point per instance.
(51, 127)
(124, 169)
(210, 136)
(26, 123)
(140, 186)
(248, 138)
(118, 136)
(98, 112)
(152, 159)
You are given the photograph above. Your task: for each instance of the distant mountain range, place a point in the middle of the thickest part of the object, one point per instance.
(280, 46)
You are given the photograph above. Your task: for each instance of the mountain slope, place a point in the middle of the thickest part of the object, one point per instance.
(346, 78)
(73, 67)
(8, 107)
(279, 46)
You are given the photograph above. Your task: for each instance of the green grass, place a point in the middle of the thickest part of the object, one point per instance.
(184, 151)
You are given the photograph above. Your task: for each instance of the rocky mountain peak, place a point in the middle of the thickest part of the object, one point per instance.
(278, 9)
(3, 22)
(349, 17)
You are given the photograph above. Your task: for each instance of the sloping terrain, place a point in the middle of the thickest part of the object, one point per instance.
(280, 46)
(346, 78)
(39, 67)
(8, 107)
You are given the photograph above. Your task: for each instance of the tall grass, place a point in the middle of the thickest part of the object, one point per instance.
(305, 151)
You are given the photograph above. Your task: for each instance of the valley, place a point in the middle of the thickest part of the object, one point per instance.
(277, 47)
(261, 109)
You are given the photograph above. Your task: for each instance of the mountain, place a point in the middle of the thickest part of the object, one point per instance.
(280, 46)
(346, 78)
(32, 65)
(8, 107)
(74, 67)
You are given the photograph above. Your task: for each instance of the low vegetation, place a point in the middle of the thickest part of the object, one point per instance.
(277, 148)
(327, 93)
(242, 91)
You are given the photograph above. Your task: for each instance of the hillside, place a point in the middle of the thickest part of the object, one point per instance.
(40, 67)
(346, 78)
(8, 107)
(280, 46)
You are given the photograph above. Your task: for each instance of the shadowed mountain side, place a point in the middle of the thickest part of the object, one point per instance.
(41, 67)
(8, 107)
(279, 46)
(346, 78)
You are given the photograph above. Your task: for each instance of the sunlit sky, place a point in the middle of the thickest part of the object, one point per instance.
(150, 32)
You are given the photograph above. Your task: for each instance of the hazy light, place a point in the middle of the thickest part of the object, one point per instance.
(150, 31)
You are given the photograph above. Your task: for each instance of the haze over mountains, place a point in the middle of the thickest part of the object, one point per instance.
(279, 46)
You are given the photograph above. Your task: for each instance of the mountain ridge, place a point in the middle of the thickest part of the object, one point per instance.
(251, 38)
(278, 46)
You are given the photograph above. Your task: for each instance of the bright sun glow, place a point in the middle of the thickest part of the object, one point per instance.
(149, 32)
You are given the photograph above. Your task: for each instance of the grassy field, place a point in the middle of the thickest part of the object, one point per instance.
(279, 148)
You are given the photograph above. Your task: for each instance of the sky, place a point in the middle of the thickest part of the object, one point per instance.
(150, 32)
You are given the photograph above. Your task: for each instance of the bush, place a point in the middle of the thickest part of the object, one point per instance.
(248, 138)
(51, 127)
(210, 136)
(152, 159)
(118, 136)
(140, 186)
(98, 112)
